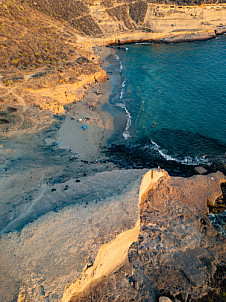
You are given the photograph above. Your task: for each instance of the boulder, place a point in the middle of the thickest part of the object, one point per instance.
(200, 170)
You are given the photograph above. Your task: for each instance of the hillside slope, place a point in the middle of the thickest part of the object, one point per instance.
(47, 48)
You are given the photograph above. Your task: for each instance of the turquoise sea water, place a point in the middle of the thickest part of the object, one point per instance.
(174, 96)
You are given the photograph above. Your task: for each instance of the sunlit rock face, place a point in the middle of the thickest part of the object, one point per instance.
(178, 253)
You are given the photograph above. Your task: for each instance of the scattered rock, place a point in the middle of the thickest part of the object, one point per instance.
(4, 121)
(11, 109)
(41, 290)
(89, 264)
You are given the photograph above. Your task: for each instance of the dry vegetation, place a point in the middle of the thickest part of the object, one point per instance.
(41, 42)
(37, 51)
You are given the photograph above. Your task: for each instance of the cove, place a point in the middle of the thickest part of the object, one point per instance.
(174, 99)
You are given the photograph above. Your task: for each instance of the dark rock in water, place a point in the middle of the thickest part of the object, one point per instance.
(200, 170)
(126, 156)
(121, 48)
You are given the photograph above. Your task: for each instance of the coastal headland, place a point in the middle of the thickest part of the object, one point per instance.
(170, 251)
(75, 226)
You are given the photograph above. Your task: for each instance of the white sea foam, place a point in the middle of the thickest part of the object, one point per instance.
(126, 134)
(188, 160)
(142, 43)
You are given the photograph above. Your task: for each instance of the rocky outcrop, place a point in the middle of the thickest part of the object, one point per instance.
(114, 18)
(110, 258)
(178, 253)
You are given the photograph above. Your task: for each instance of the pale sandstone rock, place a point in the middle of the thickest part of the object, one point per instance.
(177, 251)
(164, 299)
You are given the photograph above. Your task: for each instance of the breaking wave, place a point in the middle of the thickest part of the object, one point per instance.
(188, 160)
(126, 134)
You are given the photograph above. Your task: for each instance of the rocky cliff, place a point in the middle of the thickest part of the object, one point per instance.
(47, 47)
(177, 253)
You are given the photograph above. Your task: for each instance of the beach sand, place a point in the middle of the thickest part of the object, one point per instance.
(99, 124)
(30, 162)
(61, 200)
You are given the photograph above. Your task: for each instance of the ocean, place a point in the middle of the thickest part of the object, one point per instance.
(174, 98)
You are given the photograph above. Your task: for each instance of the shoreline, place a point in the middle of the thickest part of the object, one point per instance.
(85, 146)
(68, 209)
(96, 113)
(62, 202)
(130, 157)
(189, 37)
(44, 91)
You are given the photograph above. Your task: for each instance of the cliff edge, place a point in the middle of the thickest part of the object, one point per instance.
(175, 251)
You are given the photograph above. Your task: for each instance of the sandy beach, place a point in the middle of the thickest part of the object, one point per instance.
(63, 195)
(98, 124)
(66, 200)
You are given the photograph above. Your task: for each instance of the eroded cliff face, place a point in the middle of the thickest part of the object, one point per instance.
(178, 253)
(47, 48)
